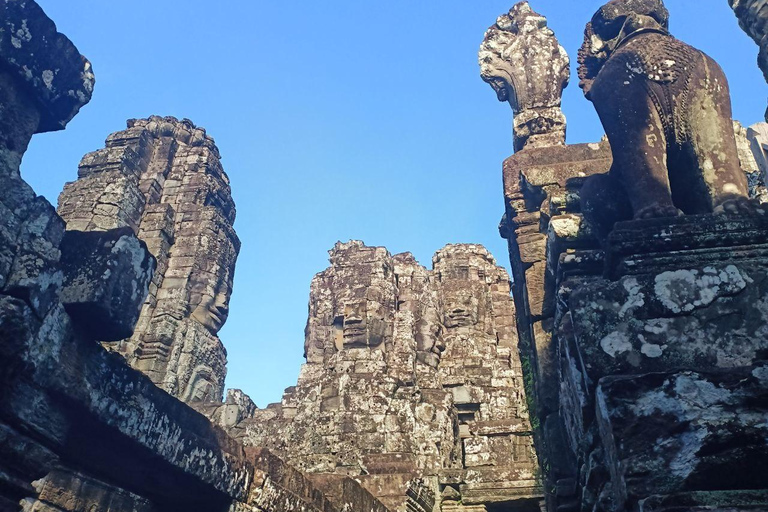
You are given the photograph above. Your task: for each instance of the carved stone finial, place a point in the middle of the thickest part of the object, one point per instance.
(522, 60)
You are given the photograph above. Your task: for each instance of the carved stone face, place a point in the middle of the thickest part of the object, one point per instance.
(461, 309)
(199, 387)
(501, 85)
(428, 333)
(364, 324)
(213, 309)
(355, 324)
(210, 279)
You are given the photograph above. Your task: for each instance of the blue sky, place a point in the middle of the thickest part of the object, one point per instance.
(335, 120)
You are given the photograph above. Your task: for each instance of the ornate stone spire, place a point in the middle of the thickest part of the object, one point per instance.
(522, 60)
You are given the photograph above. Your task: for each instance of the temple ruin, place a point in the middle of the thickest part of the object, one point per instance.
(412, 383)
(621, 367)
(646, 349)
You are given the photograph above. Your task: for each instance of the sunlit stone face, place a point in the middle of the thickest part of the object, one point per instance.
(213, 309)
(428, 333)
(210, 278)
(364, 324)
(461, 309)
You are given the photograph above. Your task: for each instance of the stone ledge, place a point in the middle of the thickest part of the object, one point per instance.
(636, 247)
(667, 432)
(48, 63)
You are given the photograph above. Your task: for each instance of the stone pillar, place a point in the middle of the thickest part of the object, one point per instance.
(526, 66)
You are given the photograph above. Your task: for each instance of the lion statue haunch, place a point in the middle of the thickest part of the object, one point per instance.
(666, 110)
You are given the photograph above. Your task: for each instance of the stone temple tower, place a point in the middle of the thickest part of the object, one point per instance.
(412, 385)
(162, 178)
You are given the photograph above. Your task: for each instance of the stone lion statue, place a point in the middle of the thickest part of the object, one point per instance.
(666, 110)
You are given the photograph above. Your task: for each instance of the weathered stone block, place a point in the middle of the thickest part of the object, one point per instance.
(678, 431)
(107, 276)
(73, 492)
(49, 65)
(657, 322)
(34, 274)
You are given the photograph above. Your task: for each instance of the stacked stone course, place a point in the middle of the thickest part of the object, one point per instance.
(163, 179)
(412, 385)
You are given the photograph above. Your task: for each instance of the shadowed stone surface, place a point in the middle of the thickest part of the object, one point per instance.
(163, 179)
(106, 278)
(53, 71)
(686, 430)
(412, 384)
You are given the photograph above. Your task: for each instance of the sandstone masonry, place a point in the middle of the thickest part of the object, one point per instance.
(645, 351)
(163, 179)
(412, 386)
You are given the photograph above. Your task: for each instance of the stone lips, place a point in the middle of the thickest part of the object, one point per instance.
(57, 76)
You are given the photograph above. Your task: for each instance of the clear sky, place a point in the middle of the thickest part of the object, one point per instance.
(336, 120)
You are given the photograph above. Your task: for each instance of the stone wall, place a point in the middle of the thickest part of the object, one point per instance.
(67, 408)
(412, 385)
(163, 179)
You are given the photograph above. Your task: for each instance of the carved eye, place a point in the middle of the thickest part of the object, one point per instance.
(608, 28)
